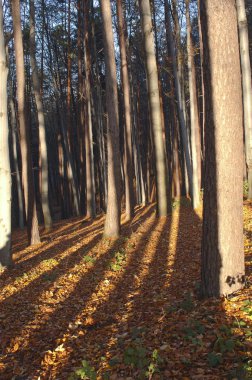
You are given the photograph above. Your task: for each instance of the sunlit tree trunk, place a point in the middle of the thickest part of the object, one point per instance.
(181, 115)
(112, 222)
(5, 171)
(155, 111)
(90, 181)
(41, 122)
(247, 89)
(222, 239)
(194, 116)
(127, 115)
(25, 142)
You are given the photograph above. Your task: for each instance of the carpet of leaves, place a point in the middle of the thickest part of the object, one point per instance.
(121, 309)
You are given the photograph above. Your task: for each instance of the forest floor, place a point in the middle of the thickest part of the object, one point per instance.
(78, 306)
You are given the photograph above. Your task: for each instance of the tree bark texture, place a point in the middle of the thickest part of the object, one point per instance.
(5, 170)
(41, 122)
(194, 116)
(112, 221)
(25, 143)
(128, 169)
(222, 239)
(246, 86)
(155, 111)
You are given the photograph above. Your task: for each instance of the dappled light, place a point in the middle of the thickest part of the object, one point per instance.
(85, 297)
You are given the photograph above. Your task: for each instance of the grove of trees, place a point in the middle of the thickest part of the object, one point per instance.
(108, 105)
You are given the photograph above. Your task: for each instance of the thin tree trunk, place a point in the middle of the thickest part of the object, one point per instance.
(90, 182)
(127, 115)
(194, 117)
(41, 122)
(112, 222)
(15, 159)
(5, 170)
(25, 142)
(155, 112)
(181, 114)
(222, 240)
(247, 88)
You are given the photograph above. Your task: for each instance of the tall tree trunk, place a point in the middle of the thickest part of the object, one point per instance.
(41, 122)
(5, 170)
(222, 240)
(155, 112)
(194, 116)
(90, 181)
(15, 159)
(181, 115)
(129, 195)
(112, 222)
(247, 88)
(25, 141)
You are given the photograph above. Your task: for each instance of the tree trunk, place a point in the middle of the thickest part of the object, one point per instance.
(194, 116)
(181, 115)
(247, 89)
(127, 115)
(112, 222)
(5, 170)
(15, 159)
(90, 182)
(25, 141)
(41, 122)
(222, 241)
(155, 112)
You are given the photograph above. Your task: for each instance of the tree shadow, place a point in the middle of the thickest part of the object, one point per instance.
(35, 293)
(97, 311)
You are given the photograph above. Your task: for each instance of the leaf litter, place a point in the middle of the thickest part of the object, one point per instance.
(78, 306)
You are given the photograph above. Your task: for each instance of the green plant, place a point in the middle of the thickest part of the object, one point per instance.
(118, 260)
(154, 365)
(88, 259)
(135, 356)
(247, 307)
(85, 372)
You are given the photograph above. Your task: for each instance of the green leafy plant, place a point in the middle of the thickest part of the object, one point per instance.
(154, 365)
(247, 307)
(85, 372)
(88, 259)
(118, 261)
(136, 356)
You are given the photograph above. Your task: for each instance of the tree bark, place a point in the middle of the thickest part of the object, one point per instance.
(155, 112)
(178, 92)
(5, 170)
(41, 122)
(194, 116)
(129, 195)
(222, 240)
(247, 88)
(90, 182)
(112, 221)
(25, 142)
(13, 128)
